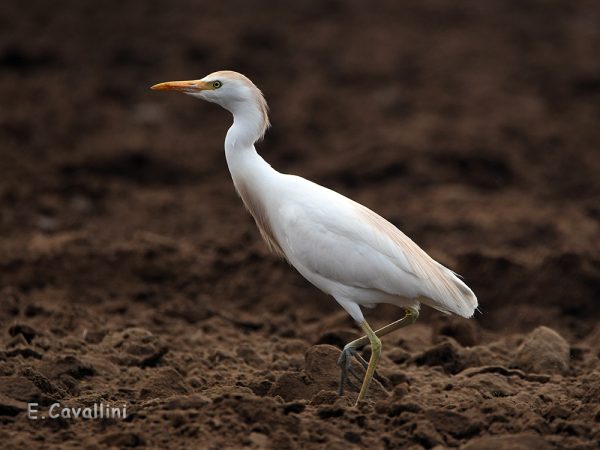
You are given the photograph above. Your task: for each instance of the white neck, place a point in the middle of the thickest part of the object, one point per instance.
(242, 159)
(256, 182)
(247, 125)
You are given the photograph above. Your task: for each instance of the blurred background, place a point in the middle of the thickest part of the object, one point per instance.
(473, 126)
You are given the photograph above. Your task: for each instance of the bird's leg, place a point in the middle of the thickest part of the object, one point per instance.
(375, 352)
(350, 350)
(410, 317)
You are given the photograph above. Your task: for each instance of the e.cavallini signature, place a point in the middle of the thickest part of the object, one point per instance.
(95, 411)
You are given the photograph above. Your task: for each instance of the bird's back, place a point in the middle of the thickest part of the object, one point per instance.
(341, 244)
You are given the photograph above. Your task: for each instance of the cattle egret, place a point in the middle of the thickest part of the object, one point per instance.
(343, 248)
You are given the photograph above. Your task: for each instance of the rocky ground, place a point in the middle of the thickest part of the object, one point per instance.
(130, 273)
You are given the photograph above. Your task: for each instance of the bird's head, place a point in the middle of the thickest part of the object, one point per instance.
(231, 90)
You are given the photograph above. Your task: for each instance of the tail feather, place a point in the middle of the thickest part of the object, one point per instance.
(449, 294)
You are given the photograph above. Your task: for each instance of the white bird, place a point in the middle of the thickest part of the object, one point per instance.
(343, 248)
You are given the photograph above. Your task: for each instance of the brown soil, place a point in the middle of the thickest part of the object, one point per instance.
(131, 274)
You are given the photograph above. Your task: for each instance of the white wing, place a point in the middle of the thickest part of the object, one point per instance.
(345, 242)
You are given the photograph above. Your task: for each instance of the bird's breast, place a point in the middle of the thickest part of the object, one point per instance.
(255, 205)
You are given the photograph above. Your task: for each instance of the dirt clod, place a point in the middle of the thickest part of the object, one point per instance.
(543, 351)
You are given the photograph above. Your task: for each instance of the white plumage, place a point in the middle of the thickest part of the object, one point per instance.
(340, 246)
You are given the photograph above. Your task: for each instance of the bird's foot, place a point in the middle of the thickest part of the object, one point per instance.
(344, 362)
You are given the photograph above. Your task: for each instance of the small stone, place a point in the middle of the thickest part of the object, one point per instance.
(543, 351)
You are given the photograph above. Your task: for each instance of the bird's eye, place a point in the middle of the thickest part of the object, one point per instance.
(217, 84)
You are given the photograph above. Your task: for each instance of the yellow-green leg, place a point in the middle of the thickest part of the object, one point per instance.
(410, 317)
(350, 350)
(375, 352)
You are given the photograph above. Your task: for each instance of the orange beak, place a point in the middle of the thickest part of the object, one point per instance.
(182, 86)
